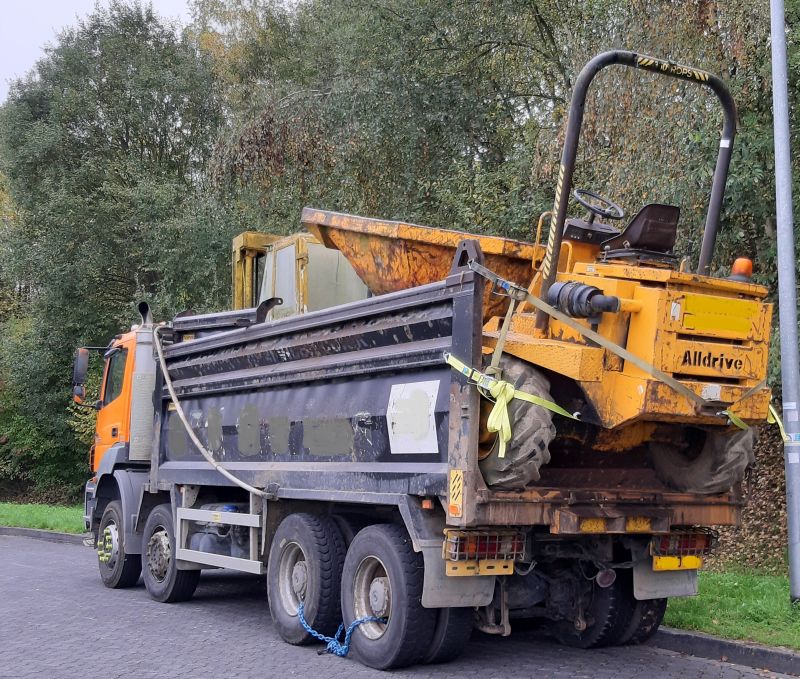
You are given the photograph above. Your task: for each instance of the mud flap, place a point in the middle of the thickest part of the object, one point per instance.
(650, 584)
(441, 591)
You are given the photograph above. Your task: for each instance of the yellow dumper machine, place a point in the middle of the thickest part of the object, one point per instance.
(482, 429)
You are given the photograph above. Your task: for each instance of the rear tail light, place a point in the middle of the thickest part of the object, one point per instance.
(464, 545)
(685, 542)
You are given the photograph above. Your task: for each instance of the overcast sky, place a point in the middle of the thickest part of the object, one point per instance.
(27, 25)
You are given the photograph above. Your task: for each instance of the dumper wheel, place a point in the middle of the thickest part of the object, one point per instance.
(451, 635)
(382, 579)
(162, 579)
(117, 568)
(532, 431)
(305, 566)
(721, 462)
(606, 616)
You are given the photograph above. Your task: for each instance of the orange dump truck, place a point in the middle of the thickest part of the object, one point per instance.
(497, 431)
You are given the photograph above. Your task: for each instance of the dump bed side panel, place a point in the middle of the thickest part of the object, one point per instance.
(344, 403)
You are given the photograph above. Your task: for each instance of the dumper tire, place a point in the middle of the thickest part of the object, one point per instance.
(451, 635)
(119, 569)
(305, 565)
(721, 463)
(381, 556)
(607, 615)
(162, 579)
(532, 430)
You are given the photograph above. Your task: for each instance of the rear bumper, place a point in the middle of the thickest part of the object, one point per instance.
(622, 512)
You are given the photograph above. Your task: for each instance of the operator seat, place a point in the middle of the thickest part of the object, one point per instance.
(649, 236)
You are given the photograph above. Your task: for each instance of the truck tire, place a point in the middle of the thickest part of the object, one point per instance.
(349, 525)
(117, 568)
(451, 635)
(720, 464)
(383, 578)
(162, 579)
(532, 431)
(643, 617)
(645, 620)
(607, 615)
(305, 566)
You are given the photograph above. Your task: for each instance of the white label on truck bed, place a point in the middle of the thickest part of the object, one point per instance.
(410, 417)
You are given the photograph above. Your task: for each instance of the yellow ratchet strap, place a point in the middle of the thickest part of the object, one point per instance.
(774, 418)
(735, 419)
(501, 393)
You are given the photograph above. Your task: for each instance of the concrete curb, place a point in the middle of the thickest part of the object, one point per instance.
(49, 535)
(737, 652)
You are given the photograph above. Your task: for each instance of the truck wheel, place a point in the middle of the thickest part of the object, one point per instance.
(720, 464)
(305, 566)
(117, 569)
(606, 616)
(349, 525)
(163, 580)
(642, 618)
(532, 431)
(383, 578)
(644, 622)
(451, 634)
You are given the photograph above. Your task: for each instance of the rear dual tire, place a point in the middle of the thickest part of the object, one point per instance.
(305, 566)
(379, 575)
(383, 577)
(450, 636)
(616, 617)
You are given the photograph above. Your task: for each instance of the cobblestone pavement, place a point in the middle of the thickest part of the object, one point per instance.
(57, 620)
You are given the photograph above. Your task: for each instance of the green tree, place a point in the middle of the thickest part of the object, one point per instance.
(104, 146)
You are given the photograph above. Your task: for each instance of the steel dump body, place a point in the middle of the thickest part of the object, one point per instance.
(352, 403)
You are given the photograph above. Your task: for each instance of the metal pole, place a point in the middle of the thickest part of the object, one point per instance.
(787, 299)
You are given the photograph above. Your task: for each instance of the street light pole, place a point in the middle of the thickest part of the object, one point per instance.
(787, 291)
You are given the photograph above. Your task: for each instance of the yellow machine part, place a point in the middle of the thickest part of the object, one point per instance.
(710, 334)
(247, 247)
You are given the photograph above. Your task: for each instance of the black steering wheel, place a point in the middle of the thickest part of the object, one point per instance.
(598, 205)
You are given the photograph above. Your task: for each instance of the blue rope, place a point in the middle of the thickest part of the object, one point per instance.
(340, 648)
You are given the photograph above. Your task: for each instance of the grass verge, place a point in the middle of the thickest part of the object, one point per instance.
(740, 606)
(63, 519)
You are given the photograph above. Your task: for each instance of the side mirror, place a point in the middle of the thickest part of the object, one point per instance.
(79, 370)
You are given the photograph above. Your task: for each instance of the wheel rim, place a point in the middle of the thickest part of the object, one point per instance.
(108, 547)
(372, 596)
(293, 578)
(159, 554)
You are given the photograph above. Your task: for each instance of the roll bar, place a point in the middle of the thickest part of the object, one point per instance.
(569, 154)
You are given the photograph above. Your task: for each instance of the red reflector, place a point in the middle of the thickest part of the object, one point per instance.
(470, 546)
(695, 542)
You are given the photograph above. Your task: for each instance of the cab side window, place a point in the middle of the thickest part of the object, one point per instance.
(114, 376)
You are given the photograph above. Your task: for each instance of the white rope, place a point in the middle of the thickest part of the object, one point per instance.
(179, 409)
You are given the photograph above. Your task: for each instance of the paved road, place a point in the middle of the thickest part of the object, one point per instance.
(57, 620)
